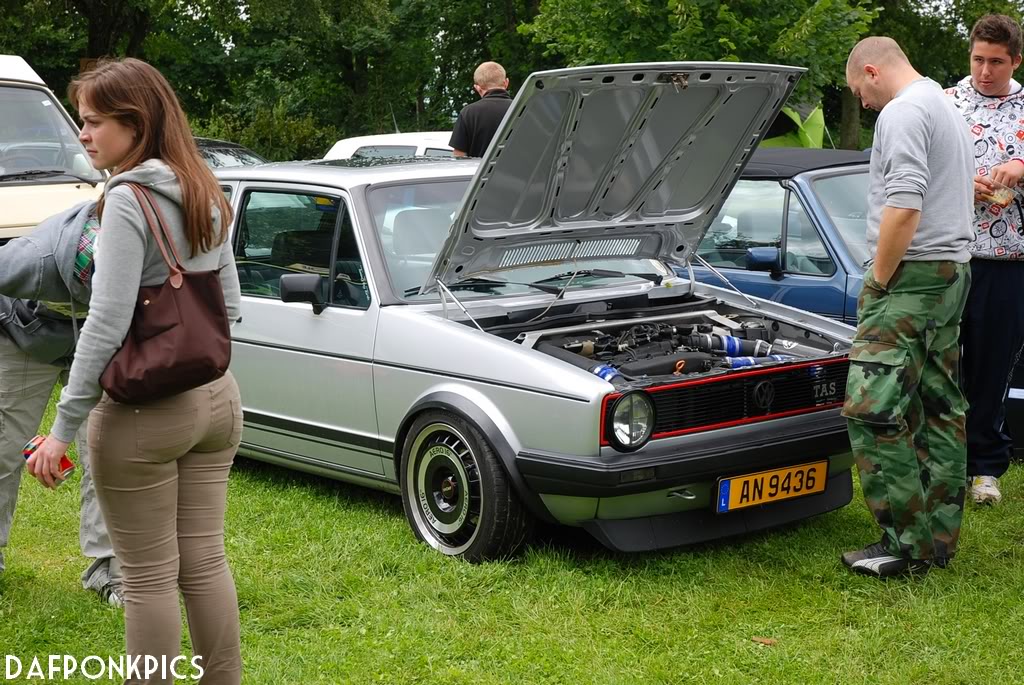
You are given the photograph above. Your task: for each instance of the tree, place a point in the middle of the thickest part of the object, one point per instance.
(47, 34)
(816, 34)
(117, 27)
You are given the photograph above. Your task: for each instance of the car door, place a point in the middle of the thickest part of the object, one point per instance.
(306, 380)
(767, 213)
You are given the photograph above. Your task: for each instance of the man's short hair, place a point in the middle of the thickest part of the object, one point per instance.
(489, 75)
(875, 50)
(998, 29)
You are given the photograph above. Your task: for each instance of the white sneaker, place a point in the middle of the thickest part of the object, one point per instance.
(985, 490)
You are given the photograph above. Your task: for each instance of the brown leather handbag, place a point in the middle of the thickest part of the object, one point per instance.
(179, 337)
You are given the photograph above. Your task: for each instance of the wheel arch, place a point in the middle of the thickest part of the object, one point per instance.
(471, 412)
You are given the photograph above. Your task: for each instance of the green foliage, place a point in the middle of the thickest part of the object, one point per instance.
(324, 69)
(47, 34)
(272, 132)
(817, 34)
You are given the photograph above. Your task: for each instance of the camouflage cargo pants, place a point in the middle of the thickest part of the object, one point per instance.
(906, 413)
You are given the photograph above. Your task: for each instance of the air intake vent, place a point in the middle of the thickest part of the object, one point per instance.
(568, 249)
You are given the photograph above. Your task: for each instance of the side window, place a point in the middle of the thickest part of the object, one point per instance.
(281, 233)
(750, 217)
(805, 253)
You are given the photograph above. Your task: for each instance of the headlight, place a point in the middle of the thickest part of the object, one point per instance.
(632, 420)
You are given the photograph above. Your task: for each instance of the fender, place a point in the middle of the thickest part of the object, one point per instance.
(455, 403)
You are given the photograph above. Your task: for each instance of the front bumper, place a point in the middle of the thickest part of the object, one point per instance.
(663, 495)
(679, 461)
(700, 525)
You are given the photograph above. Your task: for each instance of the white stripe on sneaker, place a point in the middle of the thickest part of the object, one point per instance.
(873, 565)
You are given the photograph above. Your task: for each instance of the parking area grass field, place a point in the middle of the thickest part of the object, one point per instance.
(334, 589)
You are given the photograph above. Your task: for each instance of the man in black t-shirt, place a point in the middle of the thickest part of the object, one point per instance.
(479, 121)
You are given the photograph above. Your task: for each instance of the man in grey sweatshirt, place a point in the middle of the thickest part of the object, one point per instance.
(905, 409)
(44, 286)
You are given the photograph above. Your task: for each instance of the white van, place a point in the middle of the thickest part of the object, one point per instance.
(419, 144)
(43, 168)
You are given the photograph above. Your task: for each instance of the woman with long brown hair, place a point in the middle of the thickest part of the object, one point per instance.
(161, 468)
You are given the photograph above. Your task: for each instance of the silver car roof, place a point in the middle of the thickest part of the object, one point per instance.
(339, 174)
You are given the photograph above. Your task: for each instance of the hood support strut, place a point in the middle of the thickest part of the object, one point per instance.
(445, 294)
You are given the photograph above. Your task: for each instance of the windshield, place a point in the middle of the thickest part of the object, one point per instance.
(845, 198)
(36, 136)
(224, 157)
(412, 221)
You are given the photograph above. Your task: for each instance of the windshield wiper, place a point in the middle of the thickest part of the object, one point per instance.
(47, 172)
(599, 273)
(475, 282)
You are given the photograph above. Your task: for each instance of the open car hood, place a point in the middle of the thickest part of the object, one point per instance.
(624, 160)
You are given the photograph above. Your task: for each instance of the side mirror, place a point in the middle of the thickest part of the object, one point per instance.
(81, 166)
(765, 259)
(303, 288)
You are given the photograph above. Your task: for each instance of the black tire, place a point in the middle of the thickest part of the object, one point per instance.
(455, 493)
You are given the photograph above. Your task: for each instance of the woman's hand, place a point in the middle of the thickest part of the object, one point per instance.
(44, 463)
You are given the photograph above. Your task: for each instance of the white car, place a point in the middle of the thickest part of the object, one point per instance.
(420, 144)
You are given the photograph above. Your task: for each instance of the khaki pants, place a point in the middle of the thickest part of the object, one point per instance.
(161, 472)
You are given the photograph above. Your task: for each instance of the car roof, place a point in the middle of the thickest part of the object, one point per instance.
(431, 137)
(349, 173)
(214, 142)
(786, 162)
(15, 68)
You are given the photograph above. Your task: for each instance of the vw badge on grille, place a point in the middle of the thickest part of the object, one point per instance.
(764, 395)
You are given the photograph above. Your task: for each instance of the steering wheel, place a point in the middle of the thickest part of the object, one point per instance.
(21, 161)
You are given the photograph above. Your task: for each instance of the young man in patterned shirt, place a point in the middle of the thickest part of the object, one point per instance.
(992, 330)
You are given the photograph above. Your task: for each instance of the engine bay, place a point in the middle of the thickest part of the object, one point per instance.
(684, 345)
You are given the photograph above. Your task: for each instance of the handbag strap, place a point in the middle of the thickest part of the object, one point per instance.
(157, 227)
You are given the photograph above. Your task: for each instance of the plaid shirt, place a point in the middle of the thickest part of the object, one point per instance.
(86, 249)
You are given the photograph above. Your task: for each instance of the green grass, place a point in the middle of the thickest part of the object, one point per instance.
(334, 589)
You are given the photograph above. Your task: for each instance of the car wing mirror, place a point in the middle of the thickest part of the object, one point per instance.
(303, 288)
(80, 165)
(765, 259)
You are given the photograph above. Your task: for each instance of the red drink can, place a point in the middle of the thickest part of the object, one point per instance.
(66, 465)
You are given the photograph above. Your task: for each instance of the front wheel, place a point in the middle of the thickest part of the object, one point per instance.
(456, 496)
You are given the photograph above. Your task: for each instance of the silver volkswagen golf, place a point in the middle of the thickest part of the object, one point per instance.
(505, 340)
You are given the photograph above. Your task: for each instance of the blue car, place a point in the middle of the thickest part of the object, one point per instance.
(793, 231)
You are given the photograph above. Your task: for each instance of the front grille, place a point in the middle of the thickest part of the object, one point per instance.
(746, 397)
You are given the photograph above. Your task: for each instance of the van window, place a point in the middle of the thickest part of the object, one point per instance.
(37, 142)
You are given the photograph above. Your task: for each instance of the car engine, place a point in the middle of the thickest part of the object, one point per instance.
(633, 351)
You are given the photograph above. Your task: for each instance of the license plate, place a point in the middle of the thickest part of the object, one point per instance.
(771, 486)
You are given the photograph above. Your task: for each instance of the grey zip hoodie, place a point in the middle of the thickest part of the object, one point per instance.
(38, 268)
(126, 258)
